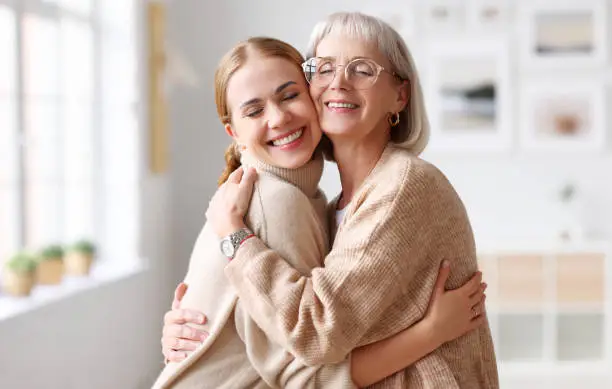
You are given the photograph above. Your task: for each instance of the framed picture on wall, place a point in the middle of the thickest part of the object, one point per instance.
(401, 19)
(563, 33)
(489, 16)
(467, 94)
(443, 16)
(562, 116)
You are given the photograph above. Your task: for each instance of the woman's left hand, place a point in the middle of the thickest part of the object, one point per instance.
(230, 203)
(453, 313)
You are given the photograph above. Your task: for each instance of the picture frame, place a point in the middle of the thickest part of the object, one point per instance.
(402, 20)
(468, 96)
(489, 16)
(563, 33)
(566, 116)
(443, 16)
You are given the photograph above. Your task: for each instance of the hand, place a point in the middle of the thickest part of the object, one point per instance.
(179, 339)
(230, 203)
(454, 313)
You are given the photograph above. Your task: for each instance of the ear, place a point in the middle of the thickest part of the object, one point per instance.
(230, 131)
(403, 96)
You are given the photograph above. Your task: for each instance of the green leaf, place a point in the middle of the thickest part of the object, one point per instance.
(52, 252)
(84, 247)
(22, 263)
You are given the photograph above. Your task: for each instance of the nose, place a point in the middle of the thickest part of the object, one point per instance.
(339, 82)
(277, 116)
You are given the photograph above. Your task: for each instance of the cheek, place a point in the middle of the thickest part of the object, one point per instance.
(252, 135)
(315, 94)
(379, 99)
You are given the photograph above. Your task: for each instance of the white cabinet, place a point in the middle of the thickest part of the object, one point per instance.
(549, 307)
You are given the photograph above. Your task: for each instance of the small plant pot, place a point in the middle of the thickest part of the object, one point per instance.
(16, 283)
(78, 264)
(50, 271)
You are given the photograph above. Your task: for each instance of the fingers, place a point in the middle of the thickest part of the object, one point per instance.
(180, 344)
(184, 332)
(248, 180)
(443, 274)
(236, 176)
(478, 309)
(182, 316)
(179, 293)
(476, 297)
(176, 356)
(473, 284)
(477, 322)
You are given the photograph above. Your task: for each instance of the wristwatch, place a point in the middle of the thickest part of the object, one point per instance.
(230, 244)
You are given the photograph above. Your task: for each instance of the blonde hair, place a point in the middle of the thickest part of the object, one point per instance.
(229, 64)
(412, 132)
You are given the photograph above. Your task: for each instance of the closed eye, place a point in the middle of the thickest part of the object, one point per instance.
(291, 96)
(253, 113)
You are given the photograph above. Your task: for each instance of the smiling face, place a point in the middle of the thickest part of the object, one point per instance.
(346, 109)
(272, 115)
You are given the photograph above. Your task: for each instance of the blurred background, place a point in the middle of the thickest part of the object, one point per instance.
(110, 149)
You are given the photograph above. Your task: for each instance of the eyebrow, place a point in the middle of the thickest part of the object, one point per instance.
(278, 90)
(349, 59)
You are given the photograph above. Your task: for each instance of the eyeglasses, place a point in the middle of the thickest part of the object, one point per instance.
(362, 73)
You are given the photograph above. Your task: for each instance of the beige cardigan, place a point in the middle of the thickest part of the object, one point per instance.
(377, 280)
(288, 212)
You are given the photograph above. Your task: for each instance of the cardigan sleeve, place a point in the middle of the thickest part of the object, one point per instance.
(377, 253)
(297, 232)
(279, 369)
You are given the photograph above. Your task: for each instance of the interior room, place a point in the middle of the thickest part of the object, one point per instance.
(111, 148)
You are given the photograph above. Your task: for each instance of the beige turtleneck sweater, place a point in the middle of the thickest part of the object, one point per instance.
(377, 279)
(287, 211)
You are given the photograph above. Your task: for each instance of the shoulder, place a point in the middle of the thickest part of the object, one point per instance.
(401, 175)
(274, 191)
(275, 200)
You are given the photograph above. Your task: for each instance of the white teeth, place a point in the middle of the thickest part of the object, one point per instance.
(288, 139)
(341, 105)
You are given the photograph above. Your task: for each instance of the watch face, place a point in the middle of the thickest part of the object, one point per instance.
(227, 248)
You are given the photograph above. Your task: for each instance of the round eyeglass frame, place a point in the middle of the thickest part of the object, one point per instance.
(379, 69)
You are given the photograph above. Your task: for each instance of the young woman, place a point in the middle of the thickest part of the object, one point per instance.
(400, 218)
(263, 101)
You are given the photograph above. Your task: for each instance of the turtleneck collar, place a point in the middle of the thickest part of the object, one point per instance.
(306, 178)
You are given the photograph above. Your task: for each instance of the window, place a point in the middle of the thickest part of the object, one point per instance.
(69, 125)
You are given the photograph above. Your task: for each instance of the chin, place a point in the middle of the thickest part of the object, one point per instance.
(338, 131)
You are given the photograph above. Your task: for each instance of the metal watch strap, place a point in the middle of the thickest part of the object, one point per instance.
(239, 236)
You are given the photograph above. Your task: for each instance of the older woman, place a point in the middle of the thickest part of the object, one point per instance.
(398, 217)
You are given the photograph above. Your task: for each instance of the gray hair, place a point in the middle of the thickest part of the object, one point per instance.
(412, 132)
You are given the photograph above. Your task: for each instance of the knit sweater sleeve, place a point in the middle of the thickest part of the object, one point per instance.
(377, 253)
(278, 368)
(297, 232)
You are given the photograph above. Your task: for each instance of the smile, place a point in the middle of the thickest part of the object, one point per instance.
(289, 138)
(333, 104)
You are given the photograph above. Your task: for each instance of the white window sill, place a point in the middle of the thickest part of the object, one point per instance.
(102, 273)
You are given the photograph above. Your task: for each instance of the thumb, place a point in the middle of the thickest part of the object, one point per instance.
(236, 176)
(443, 274)
(249, 177)
(179, 293)
(248, 182)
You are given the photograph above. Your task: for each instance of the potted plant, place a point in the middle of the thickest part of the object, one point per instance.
(79, 258)
(50, 267)
(18, 275)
